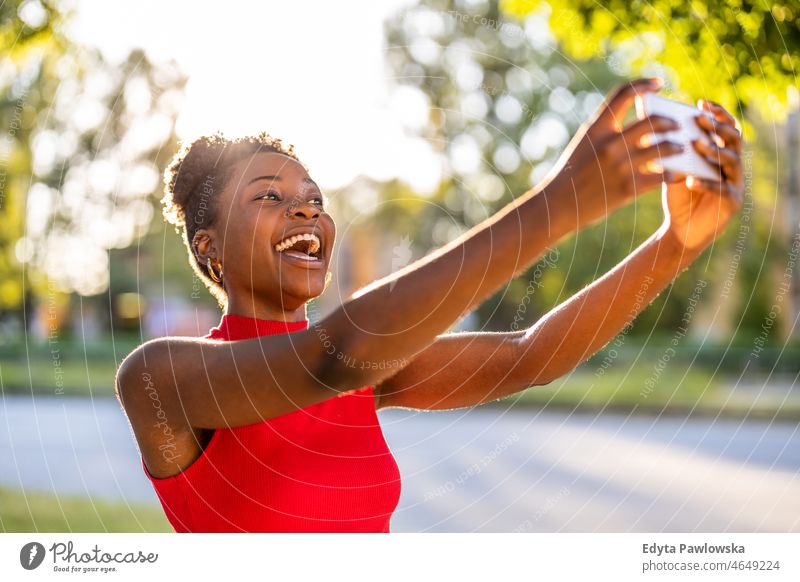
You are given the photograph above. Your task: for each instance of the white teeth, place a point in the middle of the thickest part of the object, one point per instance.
(299, 255)
(286, 243)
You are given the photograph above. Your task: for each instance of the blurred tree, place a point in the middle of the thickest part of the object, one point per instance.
(98, 152)
(32, 47)
(735, 52)
(86, 162)
(503, 104)
(744, 54)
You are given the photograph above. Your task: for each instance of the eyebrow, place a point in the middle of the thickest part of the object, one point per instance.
(278, 178)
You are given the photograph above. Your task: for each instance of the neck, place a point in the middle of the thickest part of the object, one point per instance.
(266, 311)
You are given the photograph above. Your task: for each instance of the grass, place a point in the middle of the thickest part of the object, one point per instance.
(73, 377)
(67, 366)
(635, 386)
(680, 391)
(42, 512)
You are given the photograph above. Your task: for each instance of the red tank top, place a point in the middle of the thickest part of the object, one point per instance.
(323, 468)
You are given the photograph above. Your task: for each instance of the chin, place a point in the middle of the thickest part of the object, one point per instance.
(305, 292)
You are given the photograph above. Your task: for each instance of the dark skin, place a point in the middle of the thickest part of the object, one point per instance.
(205, 384)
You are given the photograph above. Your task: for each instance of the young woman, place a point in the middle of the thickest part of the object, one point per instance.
(269, 424)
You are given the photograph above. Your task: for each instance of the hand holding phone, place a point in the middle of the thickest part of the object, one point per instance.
(689, 162)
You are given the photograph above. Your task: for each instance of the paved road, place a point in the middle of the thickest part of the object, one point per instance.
(485, 469)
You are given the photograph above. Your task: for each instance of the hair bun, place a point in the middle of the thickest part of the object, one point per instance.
(182, 177)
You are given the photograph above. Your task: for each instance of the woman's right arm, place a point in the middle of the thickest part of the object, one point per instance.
(382, 325)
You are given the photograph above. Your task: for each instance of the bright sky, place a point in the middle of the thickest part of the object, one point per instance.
(311, 73)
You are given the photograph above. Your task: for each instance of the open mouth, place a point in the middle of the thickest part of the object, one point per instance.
(304, 247)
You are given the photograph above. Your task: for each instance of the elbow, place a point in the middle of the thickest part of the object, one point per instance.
(341, 370)
(136, 369)
(533, 366)
(347, 361)
(334, 368)
(339, 374)
(130, 368)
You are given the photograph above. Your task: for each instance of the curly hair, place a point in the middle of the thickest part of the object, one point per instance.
(193, 180)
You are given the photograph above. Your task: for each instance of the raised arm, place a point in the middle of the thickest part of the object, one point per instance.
(396, 317)
(473, 368)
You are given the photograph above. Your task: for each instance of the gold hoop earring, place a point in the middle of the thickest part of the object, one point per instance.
(211, 272)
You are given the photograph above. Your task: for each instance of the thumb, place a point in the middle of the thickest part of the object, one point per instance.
(613, 110)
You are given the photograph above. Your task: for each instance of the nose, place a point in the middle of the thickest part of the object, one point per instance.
(302, 209)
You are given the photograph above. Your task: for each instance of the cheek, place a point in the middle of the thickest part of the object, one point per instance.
(253, 239)
(330, 230)
(246, 250)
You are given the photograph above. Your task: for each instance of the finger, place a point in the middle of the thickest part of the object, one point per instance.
(724, 157)
(651, 124)
(644, 181)
(702, 185)
(729, 134)
(719, 112)
(613, 110)
(659, 150)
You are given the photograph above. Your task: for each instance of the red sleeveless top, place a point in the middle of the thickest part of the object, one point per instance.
(323, 468)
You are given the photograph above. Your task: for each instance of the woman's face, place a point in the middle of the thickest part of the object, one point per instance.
(270, 199)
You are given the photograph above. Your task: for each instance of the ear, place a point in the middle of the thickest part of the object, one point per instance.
(204, 245)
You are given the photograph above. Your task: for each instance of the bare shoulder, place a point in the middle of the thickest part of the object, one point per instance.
(141, 373)
(167, 442)
(152, 363)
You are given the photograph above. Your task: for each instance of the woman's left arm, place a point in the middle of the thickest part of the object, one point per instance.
(467, 369)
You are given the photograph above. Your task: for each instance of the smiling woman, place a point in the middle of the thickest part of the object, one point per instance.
(266, 425)
(201, 169)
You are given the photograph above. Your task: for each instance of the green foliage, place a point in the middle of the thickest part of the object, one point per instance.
(82, 154)
(110, 131)
(510, 91)
(32, 46)
(735, 52)
(507, 93)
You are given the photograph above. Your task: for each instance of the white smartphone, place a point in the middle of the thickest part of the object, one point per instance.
(688, 162)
